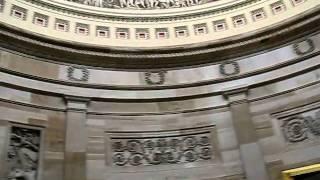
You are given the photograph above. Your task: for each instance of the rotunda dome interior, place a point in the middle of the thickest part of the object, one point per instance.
(159, 89)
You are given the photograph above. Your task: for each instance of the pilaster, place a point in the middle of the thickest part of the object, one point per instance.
(251, 155)
(4, 138)
(75, 139)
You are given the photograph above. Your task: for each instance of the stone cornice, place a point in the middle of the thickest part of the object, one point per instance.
(162, 87)
(146, 95)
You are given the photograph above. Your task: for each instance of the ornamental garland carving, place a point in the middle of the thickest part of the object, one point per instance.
(23, 153)
(155, 78)
(141, 19)
(142, 4)
(229, 68)
(84, 73)
(300, 128)
(161, 150)
(307, 48)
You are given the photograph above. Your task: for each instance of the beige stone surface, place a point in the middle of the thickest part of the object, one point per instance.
(247, 132)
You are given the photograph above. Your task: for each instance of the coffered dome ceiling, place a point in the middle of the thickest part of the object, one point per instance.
(144, 34)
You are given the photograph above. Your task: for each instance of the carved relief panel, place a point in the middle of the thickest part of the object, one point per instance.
(301, 127)
(23, 153)
(304, 47)
(161, 148)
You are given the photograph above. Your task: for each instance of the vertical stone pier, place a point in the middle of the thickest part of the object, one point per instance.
(76, 139)
(4, 138)
(250, 152)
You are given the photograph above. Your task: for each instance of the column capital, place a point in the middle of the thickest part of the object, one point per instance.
(77, 103)
(236, 94)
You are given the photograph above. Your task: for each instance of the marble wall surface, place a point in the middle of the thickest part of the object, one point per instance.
(102, 128)
(244, 127)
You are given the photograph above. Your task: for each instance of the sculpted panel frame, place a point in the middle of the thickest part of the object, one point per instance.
(39, 169)
(150, 148)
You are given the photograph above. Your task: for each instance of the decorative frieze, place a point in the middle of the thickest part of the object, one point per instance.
(302, 127)
(112, 17)
(166, 149)
(23, 153)
(142, 4)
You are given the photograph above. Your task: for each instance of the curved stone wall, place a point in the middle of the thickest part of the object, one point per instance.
(171, 124)
(232, 69)
(238, 117)
(249, 71)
